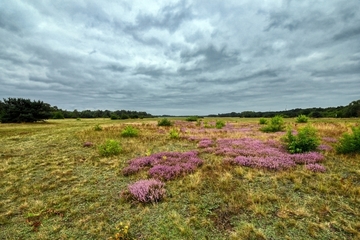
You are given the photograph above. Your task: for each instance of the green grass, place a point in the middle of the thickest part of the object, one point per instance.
(54, 188)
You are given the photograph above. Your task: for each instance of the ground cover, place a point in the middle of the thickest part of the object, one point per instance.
(233, 182)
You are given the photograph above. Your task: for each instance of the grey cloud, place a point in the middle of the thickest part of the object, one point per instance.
(348, 34)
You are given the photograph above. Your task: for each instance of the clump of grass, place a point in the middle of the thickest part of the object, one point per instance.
(109, 148)
(147, 191)
(350, 142)
(302, 119)
(220, 124)
(262, 121)
(164, 122)
(305, 141)
(98, 127)
(174, 134)
(122, 232)
(276, 125)
(130, 131)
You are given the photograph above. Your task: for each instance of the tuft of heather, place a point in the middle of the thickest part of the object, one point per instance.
(314, 167)
(205, 143)
(165, 165)
(147, 191)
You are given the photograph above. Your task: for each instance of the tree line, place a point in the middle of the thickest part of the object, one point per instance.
(18, 110)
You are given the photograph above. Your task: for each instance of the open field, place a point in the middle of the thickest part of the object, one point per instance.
(52, 187)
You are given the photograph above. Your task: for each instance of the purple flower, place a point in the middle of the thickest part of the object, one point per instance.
(314, 167)
(150, 190)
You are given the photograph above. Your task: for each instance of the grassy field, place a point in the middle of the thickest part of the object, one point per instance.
(52, 187)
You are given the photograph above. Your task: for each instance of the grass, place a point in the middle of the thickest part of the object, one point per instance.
(54, 188)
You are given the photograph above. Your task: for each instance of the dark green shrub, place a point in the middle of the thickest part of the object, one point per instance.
(124, 116)
(302, 119)
(305, 141)
(350, 143)
(192, 118)
(114, 116)
(110, 148)
(220, 124)
(262, 121)
(164, 122)
(130, 131)
(58, 115)
(276, 125)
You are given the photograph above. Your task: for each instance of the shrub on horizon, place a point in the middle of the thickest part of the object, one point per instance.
(164, 122)
(302, 119)
(305, 141)
(109, 148)
(349, 142)
(130, 131)
(276, 125)
(192, 118)
(114, 116)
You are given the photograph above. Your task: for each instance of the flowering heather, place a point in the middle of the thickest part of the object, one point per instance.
(204, 143)
(314, 167)
(145, 191)
(329, 139)
(305, 158)
(165, 165)
(324, 147)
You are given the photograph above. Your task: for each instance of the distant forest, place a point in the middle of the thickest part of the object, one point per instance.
(25, 110)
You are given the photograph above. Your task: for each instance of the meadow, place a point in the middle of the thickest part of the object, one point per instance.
(59, 181)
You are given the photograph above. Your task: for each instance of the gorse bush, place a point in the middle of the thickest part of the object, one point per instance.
(110, 148)
(350, 143)
(305, 141)
(130, 131)
(262, 121)
(220, 124)
(276, 125)
(302, 119)
(164, 122)
(147, 191)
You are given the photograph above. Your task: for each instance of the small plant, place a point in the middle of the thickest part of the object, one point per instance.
(174, 134)
(147, 191)
(109, 148)
(302, 119)
(130, 131)
(276, 125)
(164, 122)
(263, 121)
(78, 119)
(220, 124)
(305, 141)
(350, 143)
(122, 232)
(98, 127)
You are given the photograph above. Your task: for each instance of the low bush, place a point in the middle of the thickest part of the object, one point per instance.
(220, 124)
(192, 118)
(98, 127)
(147, 191)
(164, 122)
(302, 119)
(110, 148)
(114, 116)
(305, 141)
(276, 125)
(130, 131)
(262, 121)
(350, 143)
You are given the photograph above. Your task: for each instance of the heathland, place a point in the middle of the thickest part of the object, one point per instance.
(225, 178)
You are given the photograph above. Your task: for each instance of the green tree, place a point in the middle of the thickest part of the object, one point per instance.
(18, 110)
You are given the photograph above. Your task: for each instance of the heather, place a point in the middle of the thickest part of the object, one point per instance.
(234, 182)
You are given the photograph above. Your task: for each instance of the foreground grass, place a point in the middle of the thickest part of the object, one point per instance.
(54, 188)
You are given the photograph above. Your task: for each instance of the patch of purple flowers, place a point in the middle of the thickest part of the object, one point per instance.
(314, 167)
(205, 143)
(165, 165)
(324, 147)
(329, 139)
(151, 190)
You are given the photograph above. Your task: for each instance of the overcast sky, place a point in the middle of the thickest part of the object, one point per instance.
(181, 57)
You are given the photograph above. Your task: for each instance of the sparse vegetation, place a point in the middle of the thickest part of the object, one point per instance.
(109, 148)
(233, 183)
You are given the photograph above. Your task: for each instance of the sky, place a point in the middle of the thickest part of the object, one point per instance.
(181, 57)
